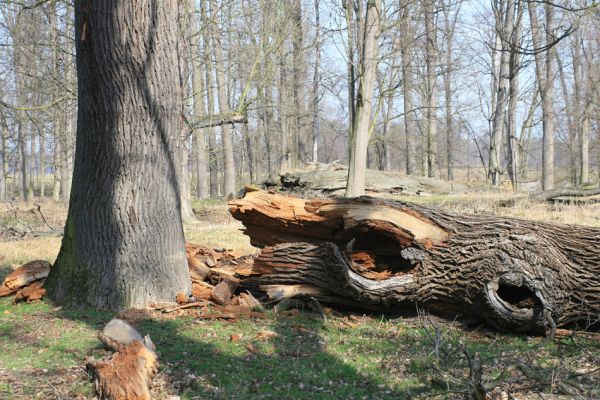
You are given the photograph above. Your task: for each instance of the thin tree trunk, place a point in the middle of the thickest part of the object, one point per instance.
(450, 26)
(123, 244)
(213, 165)
(359, 138)
(56, 159)
(285, 158)
(431, 60)
(24, 157)
(545, 75)
(3, 162)
(315, 87)
(572, 113)
(183, 50)
(298, 84)
(42, 164)
(226, 134)
(198, 90)
(513, 89)
(407, 81)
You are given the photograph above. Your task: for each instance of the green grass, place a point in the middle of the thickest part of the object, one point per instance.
(345, 358)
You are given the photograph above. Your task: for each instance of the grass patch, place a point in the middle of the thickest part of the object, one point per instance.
(348, 358)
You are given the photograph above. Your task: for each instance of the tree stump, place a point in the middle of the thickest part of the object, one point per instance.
(515, 274)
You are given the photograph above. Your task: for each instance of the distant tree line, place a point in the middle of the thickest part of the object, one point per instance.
(498, 91)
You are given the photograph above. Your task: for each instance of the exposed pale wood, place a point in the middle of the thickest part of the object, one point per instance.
(128, 373)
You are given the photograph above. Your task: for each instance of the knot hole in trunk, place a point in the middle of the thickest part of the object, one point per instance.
(514, 302)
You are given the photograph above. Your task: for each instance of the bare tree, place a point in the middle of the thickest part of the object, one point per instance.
(368, 26)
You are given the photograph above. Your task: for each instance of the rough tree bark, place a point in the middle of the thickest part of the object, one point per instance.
(123, 244)
(514, 274)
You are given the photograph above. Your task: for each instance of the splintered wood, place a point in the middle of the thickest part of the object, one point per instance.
(128, 373)
(27, 281)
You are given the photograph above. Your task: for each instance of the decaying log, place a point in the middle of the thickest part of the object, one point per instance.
(223, 292)
(569, 196)
(34, 291)
(23, 276)
(330, 179)
(515, 274)
(128, 373)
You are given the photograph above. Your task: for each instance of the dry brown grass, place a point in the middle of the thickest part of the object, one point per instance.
(517, 206)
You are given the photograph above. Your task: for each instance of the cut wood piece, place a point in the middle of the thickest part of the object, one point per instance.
(246, 300)
(127, 375)
(24, 275)
(118, 333)
(33, 292)
(223, 292)
(201, 292)
(198, 270)
(515, 274)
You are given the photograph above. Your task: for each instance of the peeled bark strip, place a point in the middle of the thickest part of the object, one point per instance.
(515, 274)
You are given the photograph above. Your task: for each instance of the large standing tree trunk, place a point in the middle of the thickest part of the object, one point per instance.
(123, 244)
(515, 274)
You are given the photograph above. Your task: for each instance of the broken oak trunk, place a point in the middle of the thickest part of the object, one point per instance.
(514, 274)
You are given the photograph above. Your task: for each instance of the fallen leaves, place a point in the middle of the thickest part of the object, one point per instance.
(265, 335)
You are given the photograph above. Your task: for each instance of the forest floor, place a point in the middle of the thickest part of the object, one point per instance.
(304, 356)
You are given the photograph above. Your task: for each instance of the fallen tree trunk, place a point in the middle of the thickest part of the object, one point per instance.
(515, 274)
(569, 196)
(330, 180)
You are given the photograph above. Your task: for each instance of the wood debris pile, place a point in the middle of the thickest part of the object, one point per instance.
(215, 275)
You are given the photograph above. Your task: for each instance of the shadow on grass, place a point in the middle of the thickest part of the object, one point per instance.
(4, 271)
(200, 361)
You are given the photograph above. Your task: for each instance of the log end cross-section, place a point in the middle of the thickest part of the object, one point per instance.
(515, 274)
